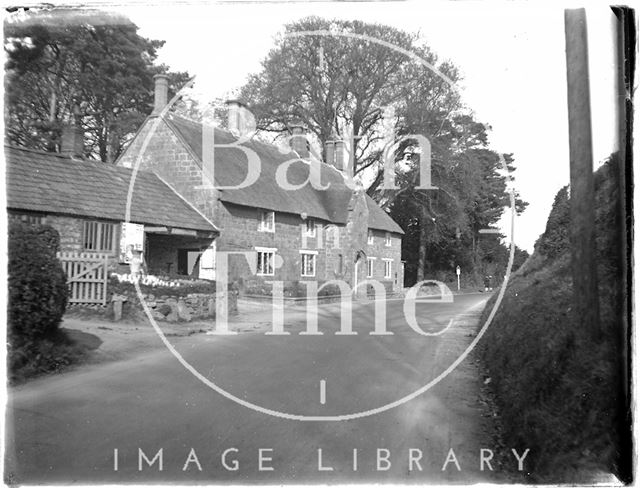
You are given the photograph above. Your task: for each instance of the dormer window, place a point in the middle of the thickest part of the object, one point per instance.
(267, 222)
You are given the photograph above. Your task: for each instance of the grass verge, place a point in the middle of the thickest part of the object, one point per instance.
(49, 355)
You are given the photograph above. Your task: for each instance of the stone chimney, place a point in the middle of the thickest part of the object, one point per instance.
(161, 93)
(72, 143)
(298, 140)
(340, 160)
(330, 152)
(335, 152)
(236, 117)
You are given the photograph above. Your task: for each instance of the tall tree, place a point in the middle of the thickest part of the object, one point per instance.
(65, 64)
(342, 78)
(336, 78)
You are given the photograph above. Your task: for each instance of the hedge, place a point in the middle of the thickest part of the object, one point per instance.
(38, 292)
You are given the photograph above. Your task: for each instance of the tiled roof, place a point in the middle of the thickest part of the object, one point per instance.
(55, 184)
(230, 168)
(379, 219)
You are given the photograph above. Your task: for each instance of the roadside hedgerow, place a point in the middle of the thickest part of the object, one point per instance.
(558, 386)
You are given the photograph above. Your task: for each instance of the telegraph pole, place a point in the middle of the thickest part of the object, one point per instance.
(582, 211)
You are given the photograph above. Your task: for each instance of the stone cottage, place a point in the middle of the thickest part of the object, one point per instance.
(292, 231)
(87, 203)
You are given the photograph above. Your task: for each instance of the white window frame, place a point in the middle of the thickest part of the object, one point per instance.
(314, 260)
(387, 239)
(388, 268)
(370, 237)
(311, 228)
(267, 224)
(265, 250)
(370, 267)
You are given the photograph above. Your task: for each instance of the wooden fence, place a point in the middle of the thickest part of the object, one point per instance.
(86, 275)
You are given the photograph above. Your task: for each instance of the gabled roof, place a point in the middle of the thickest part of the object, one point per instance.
(230, 168)
(55, 184)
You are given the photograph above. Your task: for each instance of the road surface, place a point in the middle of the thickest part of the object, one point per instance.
(66, 428)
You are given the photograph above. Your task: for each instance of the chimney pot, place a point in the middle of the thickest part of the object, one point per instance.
(161, 93)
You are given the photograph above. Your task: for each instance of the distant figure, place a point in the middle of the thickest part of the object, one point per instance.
(487, 283)
(136, 263)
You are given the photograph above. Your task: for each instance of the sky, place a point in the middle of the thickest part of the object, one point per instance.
(511, 56)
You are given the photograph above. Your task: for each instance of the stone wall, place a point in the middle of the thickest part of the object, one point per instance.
(184, 309)
(70, 230)
(175, 308)
(239, 232)
(170, 159)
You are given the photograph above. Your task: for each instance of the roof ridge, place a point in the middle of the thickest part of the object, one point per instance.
(258, 141)
(81, 162)
(252, 140)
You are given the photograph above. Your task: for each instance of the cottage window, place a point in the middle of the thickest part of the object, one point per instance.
(308, 263)
(387, 239)
(311, 228)
(98, 236)
(267, 222)
(266, 258)
(370, 262)
(387, 268)
(370, 237)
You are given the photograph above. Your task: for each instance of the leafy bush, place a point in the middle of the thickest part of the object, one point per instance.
(38, 292)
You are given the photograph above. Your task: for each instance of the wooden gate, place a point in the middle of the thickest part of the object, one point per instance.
(86, 276)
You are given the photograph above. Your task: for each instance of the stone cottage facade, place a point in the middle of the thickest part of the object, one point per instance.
(293, 232)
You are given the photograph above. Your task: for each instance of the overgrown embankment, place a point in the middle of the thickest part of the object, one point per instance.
(558, 386)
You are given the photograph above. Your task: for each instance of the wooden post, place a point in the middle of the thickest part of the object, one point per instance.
(625, 47)
(583, 255)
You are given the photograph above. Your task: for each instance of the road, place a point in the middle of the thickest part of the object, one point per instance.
(64, 428)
